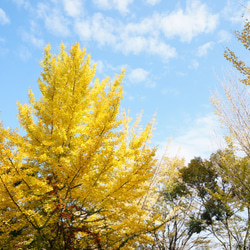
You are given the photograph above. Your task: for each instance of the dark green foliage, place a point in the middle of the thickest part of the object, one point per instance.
(215, 209)
(178, 190)
(201, 178)
(195, 225)
(200, 175)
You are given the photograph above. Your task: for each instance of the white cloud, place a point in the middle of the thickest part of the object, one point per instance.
(103, 29)
(187, 24)
(83, 29)
(194, 65)
(138, 75)
(132, 38)
(98, 28)
(22, 3)
(35, 28)
(56, 24)
(102, 4)
(224, 36)
(24, 53)
(149, 35)
(29, 37)
(153, 2)
(148, 26)
(235, 12)
(120, 5)
(54, 20)
(99, 67)
(3, 17)
(203, 49)
(132, 44)
(201, 138)
(73, 8)
(36, 41)
(152, 46)
(161, 49)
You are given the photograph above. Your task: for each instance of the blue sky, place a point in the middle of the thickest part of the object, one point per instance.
(172, 52)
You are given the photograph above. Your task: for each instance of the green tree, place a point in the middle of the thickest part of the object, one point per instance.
(222, 213)
(177, 208)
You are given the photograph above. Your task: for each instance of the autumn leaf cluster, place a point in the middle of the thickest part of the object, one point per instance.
(80, 176)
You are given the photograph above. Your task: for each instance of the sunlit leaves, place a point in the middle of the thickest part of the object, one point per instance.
(81, 175)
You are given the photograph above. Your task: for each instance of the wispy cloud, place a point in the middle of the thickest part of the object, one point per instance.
(98, 28)
(189, 23)
(120, 5)
(33, 35)
(31, 38)
(73, 8)
(54, 20)
(126, 38)
(201, 138)
(138, 44)
(194, 65)
(236, 11)
(203, 49)
(23, 3)
(150, 35)
(153, 2)
(224, 36)
(3, 17)
(138, 75)
(24, 53)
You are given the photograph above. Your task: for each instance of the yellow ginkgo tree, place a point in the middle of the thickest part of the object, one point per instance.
(81, 177)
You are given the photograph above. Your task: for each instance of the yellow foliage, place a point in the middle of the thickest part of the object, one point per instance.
(244, 37)
(81, 175)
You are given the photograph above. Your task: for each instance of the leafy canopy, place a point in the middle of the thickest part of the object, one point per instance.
(80, 176)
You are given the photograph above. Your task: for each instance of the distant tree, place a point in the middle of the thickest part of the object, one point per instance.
(178, 208)
(223, 214)
(235, 171)
(199, 207)
(80, 176)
